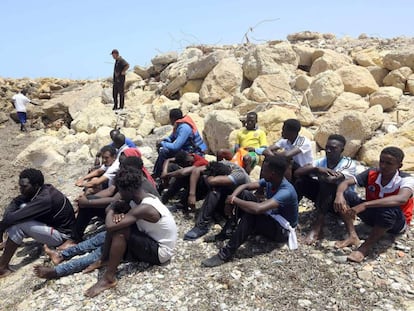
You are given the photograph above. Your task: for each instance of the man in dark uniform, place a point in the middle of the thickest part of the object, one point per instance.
(120, 69)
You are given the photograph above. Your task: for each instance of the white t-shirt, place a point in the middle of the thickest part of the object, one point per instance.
(164, 231)
(304, 144)
(346, 166)
(20, 102)
(111, 171)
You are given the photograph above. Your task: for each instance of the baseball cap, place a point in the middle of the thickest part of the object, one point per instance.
(114, 51)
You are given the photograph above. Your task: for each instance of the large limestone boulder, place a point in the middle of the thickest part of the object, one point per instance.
(305, 116)
(191, 86)
(175, 85)
(165, 58)
(305, 54)
(268, 88)
(93, 116)
(131, 78)
(357, 79)
(399, 58)
(302, 82)
(271, 121)
(355, 126)
(217, 128)
(221, 82)
(378, 73)
(348, 102)
(367, 57)
(142, 72)
(386, 96)
(304, 36)
(269, 59)
(403, 138)
(161, 109)
(410, 84)
(81, 155)
(44, 152)
(324, 89)
(137, 98)
(200, 68)
(71, 102)
(324, 60)
(398, 77)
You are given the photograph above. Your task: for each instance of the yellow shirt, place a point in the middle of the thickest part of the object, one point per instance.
(251, 138)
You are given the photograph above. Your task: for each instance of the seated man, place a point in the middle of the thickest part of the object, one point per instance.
(250, 144)
(274, 218)
(65, 265)
(388, 206)
(113, 133)
(318, 182)
(179, 169)
(41, 212)
(101, 177)
(185, 136)
(94, 205)
(146, 232)
(293, 146)
(222, 178)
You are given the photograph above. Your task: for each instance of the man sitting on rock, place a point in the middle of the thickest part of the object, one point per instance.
(41, 212)
(103, 176)
(113, 133)
(275, 218)
(250, 144)
(179, 170)
(318, 182)
(222, 178)
(94, 205)
(388, 206)
(139, 228)
(293, 146)
(185, 136)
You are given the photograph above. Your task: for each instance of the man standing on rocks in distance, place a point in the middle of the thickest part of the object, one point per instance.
(20, 101)
(120, 68)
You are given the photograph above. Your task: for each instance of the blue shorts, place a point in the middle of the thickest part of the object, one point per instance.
(391, 218)
(22, 117)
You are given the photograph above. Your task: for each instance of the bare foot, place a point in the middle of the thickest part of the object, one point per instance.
(5, 272)
(313, 236)
(65, 245)
(356, 256)
(93, 266)
(55, 256)
(100, 286)
(347, 242)
(44, 272)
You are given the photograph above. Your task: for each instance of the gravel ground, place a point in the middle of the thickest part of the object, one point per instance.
(263, 276)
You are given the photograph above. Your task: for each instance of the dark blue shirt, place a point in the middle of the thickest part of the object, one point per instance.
(285, 195)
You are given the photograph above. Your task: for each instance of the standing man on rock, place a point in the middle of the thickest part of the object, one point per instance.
(120, 68)
(20, 101)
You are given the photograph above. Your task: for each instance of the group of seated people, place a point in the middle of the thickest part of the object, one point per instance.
(140, 227)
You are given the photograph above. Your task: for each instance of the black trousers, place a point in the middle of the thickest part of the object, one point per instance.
(84, 217)
(119, 89)
(250, 224)
(213, 203)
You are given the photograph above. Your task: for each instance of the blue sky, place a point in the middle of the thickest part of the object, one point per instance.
(73, 38)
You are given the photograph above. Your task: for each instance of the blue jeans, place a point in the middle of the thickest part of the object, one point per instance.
(93, 248)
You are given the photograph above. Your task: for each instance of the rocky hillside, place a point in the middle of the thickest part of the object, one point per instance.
(361, 88)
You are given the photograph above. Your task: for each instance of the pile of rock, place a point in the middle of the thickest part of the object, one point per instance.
(361, 88)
